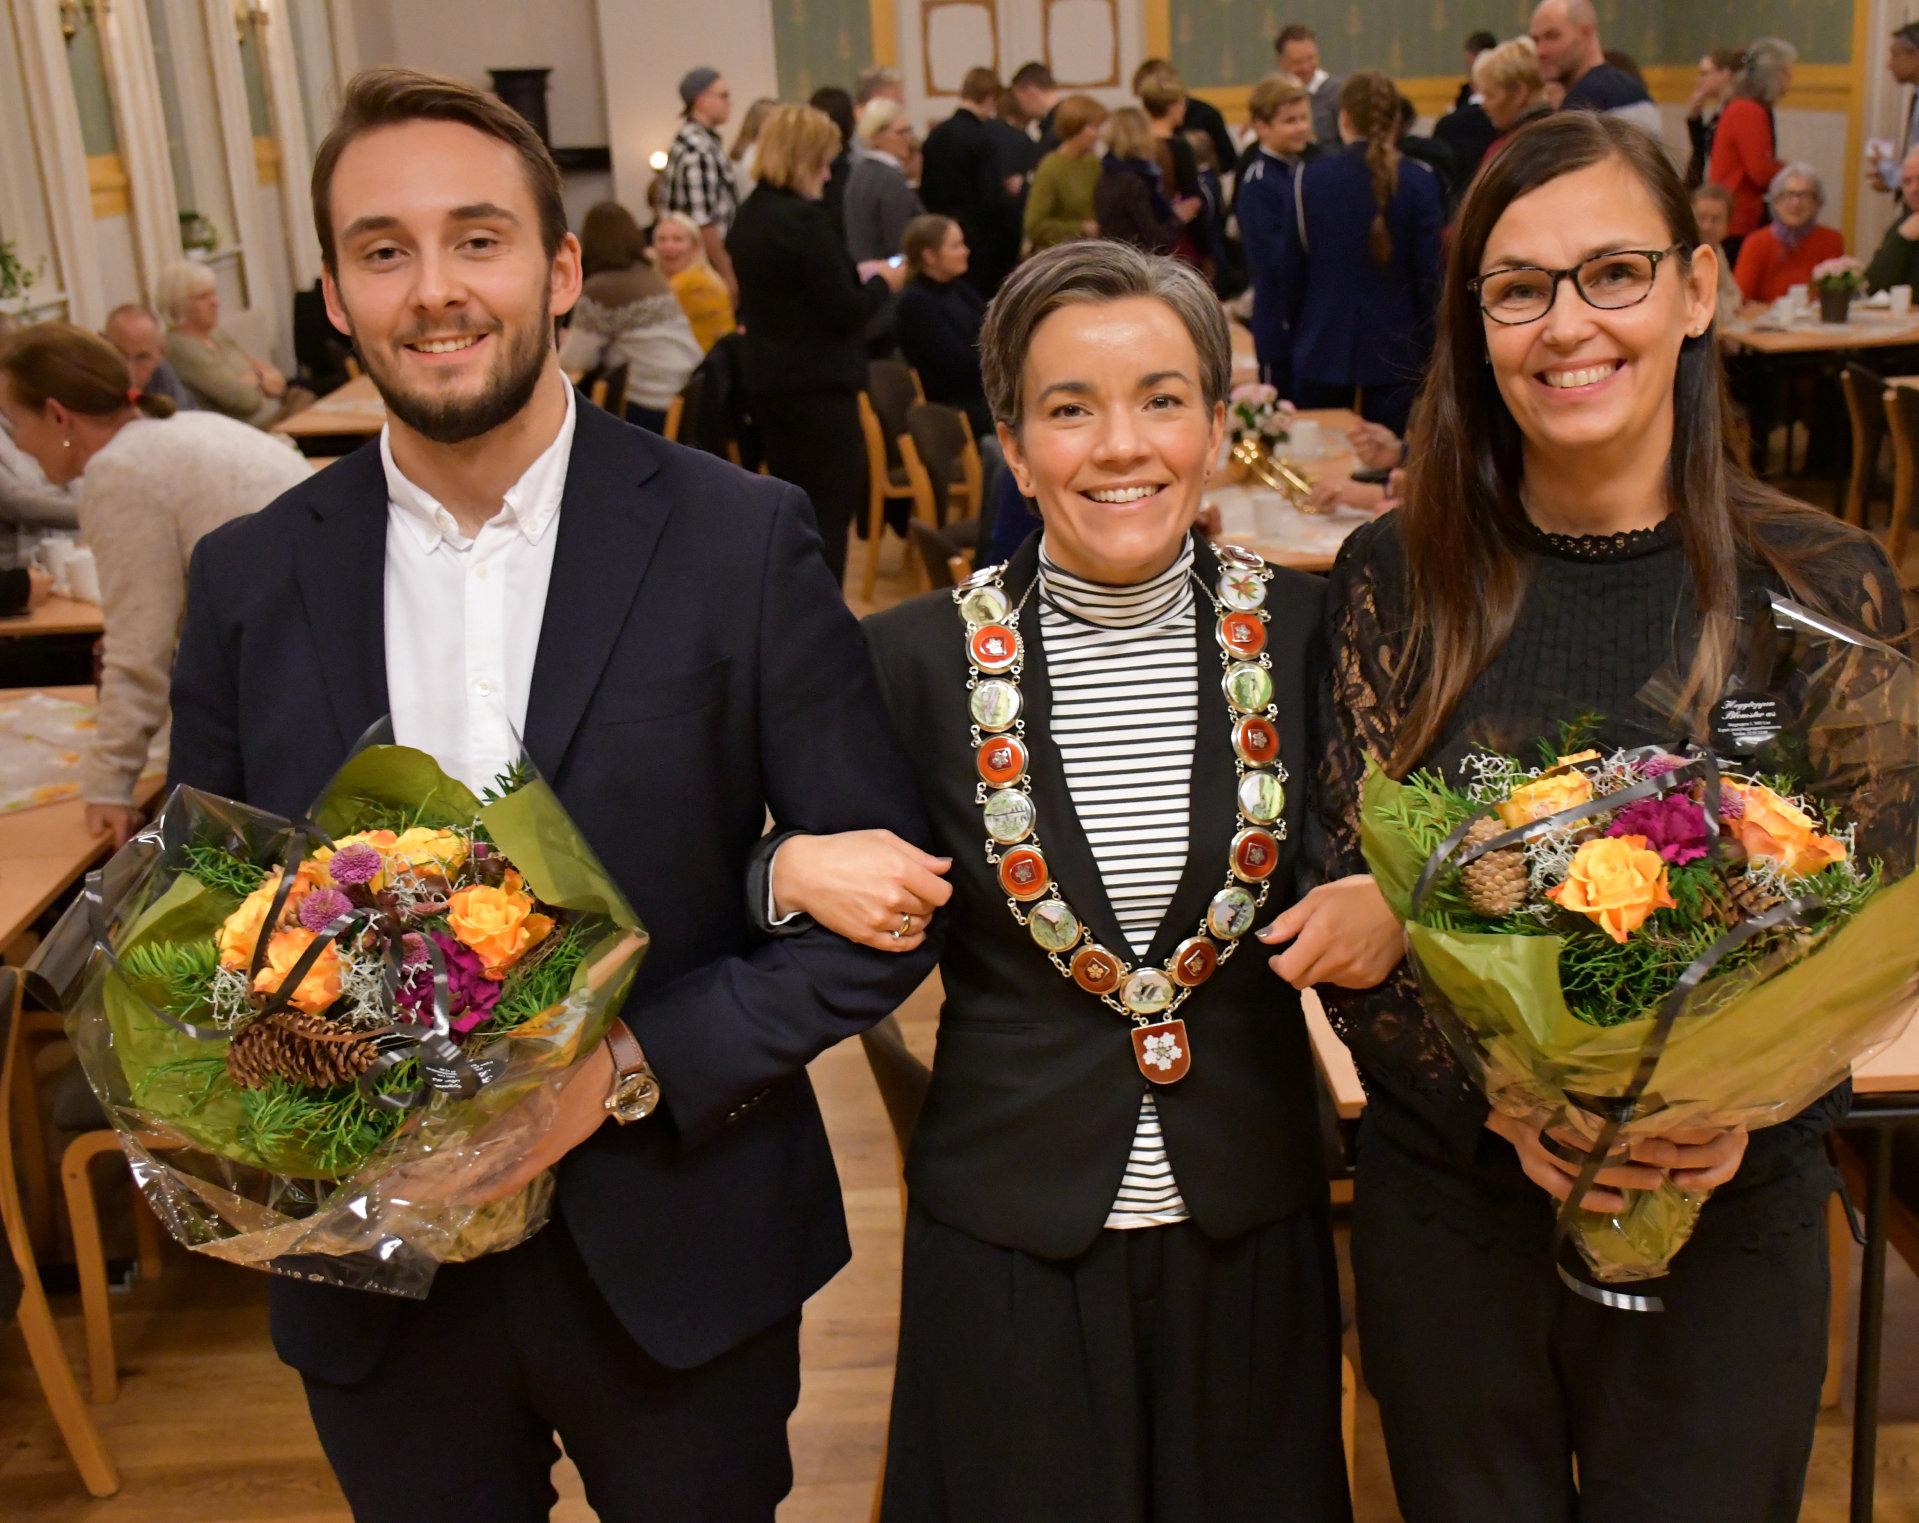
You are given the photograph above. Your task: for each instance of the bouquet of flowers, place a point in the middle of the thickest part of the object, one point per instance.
(319, 1040)
(1843, 273)
(1634, 942)
(1261, 424)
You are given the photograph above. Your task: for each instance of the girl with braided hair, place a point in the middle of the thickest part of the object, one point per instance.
(1360, 263)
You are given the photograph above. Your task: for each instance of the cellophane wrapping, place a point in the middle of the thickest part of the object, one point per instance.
(484, 921)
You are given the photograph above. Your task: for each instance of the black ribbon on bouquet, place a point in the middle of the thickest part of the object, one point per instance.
(1614, 1111)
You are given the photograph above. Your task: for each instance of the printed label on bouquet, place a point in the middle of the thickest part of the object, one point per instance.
(1163, 1052)
(1746, 723)
(486, 1067)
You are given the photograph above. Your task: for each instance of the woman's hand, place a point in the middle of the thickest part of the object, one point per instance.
(866, 885)
(1342, 933)
(117, 820)
(1187, 207)
(1376, 446)
(1556, 1176)
(893, 274)
(1342, 491)
(1702, 1159)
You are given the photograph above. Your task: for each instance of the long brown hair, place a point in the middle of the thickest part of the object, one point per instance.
(1462, 522)
(610, 239)
(1371, 100)
(80, 370)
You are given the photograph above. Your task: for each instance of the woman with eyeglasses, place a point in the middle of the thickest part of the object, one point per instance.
(1786, 251)
(1575, 523)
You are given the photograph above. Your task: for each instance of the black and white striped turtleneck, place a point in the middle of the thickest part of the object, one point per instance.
(1125, 718)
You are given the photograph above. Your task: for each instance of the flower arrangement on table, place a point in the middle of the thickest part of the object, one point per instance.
(319, 1042)
(1643, 941)
(1262, 421)
(1837, 281)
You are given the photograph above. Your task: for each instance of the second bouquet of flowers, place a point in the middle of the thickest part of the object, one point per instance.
(318, 1041)
(1639, 941)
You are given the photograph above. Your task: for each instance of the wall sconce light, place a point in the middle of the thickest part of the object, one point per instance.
(73, 14)
(656, 161)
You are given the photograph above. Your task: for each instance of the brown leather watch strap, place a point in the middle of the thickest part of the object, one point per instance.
(628, 1059)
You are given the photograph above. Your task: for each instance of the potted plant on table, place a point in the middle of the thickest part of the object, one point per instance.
(1838, 281)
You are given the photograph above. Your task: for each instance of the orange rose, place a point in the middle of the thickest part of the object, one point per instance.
(427, 853)
(1544, 796)
(1616, 882)
(498, 924)
(240, 934)
(321, 986)
(1772, 829)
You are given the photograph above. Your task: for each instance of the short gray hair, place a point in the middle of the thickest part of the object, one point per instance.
(874, 80)
(1762, 77)
(1094, 270)
(876, 116)
(178, 284)
(1797, 170)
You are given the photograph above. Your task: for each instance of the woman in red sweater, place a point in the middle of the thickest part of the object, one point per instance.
(1745, 154)
(1782, 254)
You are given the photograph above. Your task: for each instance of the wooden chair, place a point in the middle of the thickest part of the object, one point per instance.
(670, 429)
(942, 462)
(1902, 424)
(886, 483)
(82, 1438)
(1865, 410)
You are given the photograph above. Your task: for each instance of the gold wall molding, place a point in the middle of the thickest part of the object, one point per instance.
(266, 160)
(109, 186)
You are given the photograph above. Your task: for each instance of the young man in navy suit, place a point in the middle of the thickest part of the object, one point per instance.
(661, 628)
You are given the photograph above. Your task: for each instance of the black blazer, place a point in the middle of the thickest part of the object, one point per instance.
(802, 305)
(961, 177)
(1035, 1094)
(938, 324)
(696, 667)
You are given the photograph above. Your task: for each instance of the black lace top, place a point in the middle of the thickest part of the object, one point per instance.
(1600, 617)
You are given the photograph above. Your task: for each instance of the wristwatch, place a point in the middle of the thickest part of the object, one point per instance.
(636, 1088)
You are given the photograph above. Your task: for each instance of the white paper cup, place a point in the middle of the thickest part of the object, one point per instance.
(1901, 306)
(83, 576)
(1800, 297)
(1304, 442)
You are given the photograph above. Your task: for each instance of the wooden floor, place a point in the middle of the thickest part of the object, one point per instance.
(210, 1428)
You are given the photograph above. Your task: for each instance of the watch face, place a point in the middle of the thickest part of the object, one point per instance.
(634, 1097)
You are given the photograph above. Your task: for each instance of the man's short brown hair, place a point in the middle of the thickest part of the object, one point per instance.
(981, 86)
(1273, 92)
(1297, 31)
(387, 97)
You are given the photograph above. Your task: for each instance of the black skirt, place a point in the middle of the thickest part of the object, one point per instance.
(1159, 1376)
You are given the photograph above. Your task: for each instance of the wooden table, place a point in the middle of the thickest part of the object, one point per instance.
(56, 616)
(1263, 520)
(43, 851)
(1866, 330)
(353, 412)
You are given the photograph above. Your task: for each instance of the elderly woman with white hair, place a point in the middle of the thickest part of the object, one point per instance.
(879, 203)
(221, 374)
(1786, 251)
(1745, 150)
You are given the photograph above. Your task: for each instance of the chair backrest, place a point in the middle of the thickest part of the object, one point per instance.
(1901, 404)
(1864, 388)
(939, 434)
(936, 549)
(10, 1281)
(890, 385)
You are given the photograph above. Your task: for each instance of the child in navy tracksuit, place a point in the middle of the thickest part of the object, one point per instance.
(1282, 115)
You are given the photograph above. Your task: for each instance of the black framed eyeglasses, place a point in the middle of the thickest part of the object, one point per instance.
(1524, 294)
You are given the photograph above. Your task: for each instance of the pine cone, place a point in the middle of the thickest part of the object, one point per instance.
(1738, 898)
(1495, 884)
(303, 1049)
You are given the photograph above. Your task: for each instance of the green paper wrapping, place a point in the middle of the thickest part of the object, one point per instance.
(351, 1206)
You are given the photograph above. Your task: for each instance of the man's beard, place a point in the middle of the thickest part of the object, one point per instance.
(454, 420)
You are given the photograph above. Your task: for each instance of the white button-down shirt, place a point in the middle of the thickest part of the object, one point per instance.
(463, 615)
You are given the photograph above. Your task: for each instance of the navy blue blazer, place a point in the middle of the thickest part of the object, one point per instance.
(1353, 323)
(696, 668)
(1264, 206)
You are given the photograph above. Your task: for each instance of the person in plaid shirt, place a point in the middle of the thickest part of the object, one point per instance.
(699, 176)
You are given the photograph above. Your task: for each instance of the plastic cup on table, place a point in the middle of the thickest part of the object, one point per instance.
(1800, 297)
(1305, 440)
(1901, 304)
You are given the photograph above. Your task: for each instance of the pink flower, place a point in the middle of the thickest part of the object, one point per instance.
(1673, 826)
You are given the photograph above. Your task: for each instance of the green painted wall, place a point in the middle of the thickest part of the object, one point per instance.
(89, 71)
(1229, 42)
(819, 42)
(253, 72)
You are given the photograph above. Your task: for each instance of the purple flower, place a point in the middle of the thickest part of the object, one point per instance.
(354, 864)
(1674, 826)
(412, 949)
(1732, 806)
(322, 907)
(471, 995)
(1659, 766)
